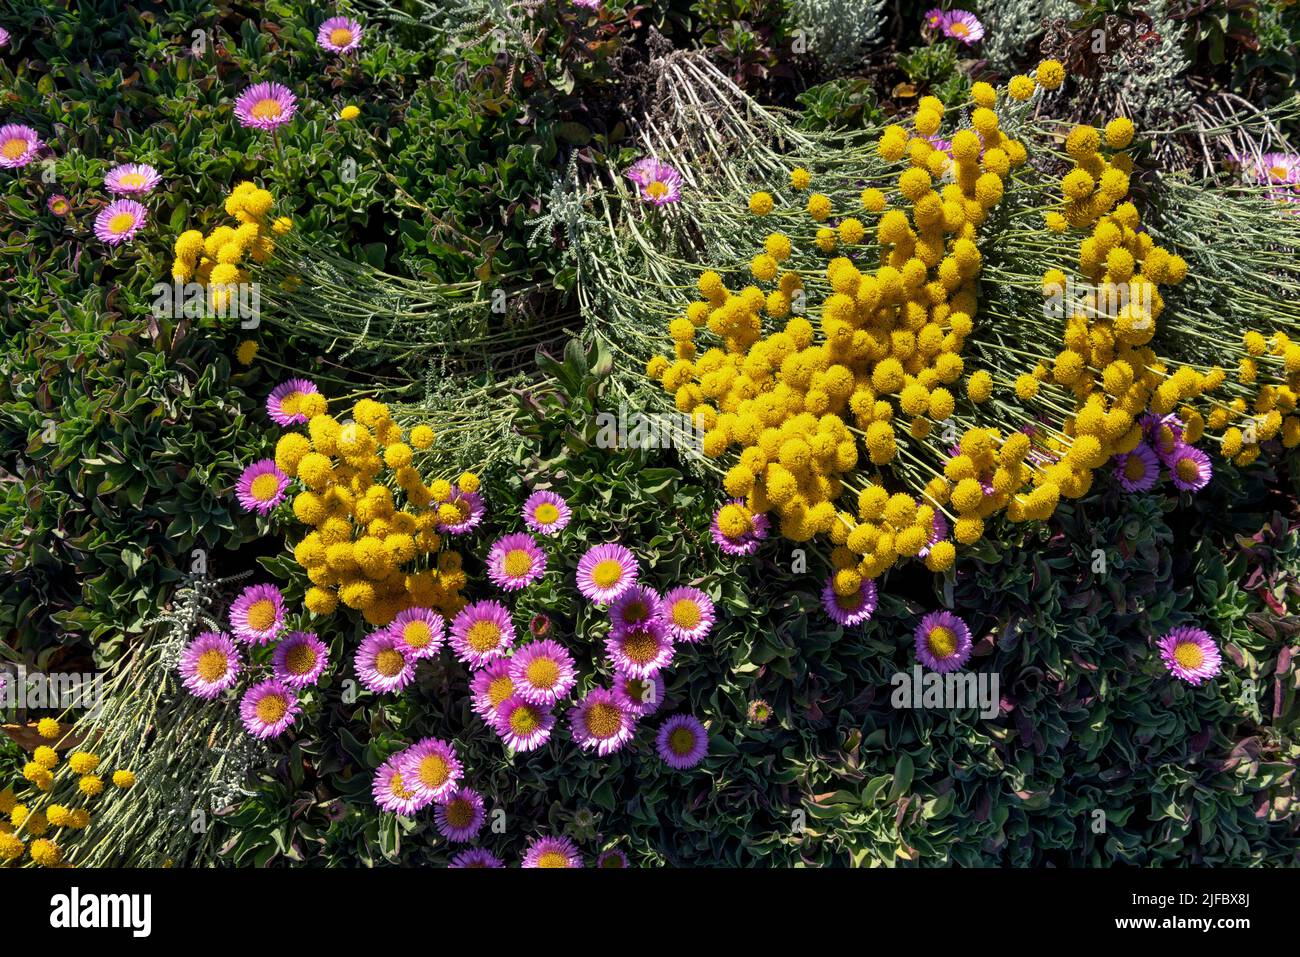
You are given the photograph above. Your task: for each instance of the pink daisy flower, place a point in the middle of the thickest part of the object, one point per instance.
(209, 664)
(489, 686)
(935, 18)
(268, 709)
(132, 179)
(339, 35)
(1191, 655)
(939, 533)
(636, 606)
(476, 857)
(515, 562)
(657, 182)
(265, 106)
(688, 612)
(261, 487)
(1138, 470)
(300, 659)
(430, 768)
(472, 510)
(847, 611)
(601, 722)
(642, 651)
(522, 725)
(641, 696)
(943, 641)
(964, 26)
(119, 221)
(482, 631)
(747, 543)
(19, 145)
(391, 793)
(546, 513)
(283, 405)
(542, 672)
(551, 852)
(257, 615)
(605, 572)
(1190, 469)
(460, 816)
(382, 664)
(421, 630)
(58, 205)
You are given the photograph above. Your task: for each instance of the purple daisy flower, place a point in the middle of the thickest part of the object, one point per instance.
(1189, 468)
(471, 508)
(515, 562)
(942, 641)
(601, 721)
(300, 659)
(642, 651)
(283, 404)
(209, 664)
(964, 26)
(58, 205)
(132, 179)
(482, 631)
(935, 18)
(1138, 470)
(850, 610)
(268, 709)
(339, 35)
(523, 726)
(747, 543)
(640, 696)
(460, 816)
(1191, 655)
(546, 513)
(939, 533)
(606, 571)
(476, 857)
(261, 486)
(382, 664)
(19, 145)
(551, 852)
(1279, 168)
(682, 742)
(265, 106)
(636, 606)
(489, 686)
(391, 793)
(688, 612)
(612, 857)
(119, 221)
(257, 615)
(657, 182)
(430, 768)
(421, 630)
(542, 672)
(1164, 433)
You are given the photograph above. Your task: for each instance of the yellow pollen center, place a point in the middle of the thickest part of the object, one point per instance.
(483, 636)
(656, 190)
(636, 611)
(460, 813)
(340, 36)
(1278, 172)
(398, 789)
(417, 634)
(607, 574)
(543, 672)
(943, 643)
(499, 689)
(267, 110)
(604, 720)
(546, 514)
(434, 771)
(389, 662)
(1186, 469)
(517, 563)
(1134, 468)
(265, 487)
(640, 646)
(272, 708)
(212, 665)
(14, 148)
(958, 29)
(261, 614)
(686, 613)
(552, 859)
(289, 404)
(524, 720)
(131, 179)
(681, 741)
(300, 660)
(1189, 655)
(121, 223)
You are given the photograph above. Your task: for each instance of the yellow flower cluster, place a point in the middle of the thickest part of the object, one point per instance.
(1272, 413)
(375, 543)
(26, 818)
(883, 356)
(217, 259)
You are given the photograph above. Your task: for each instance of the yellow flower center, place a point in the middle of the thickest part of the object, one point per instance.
(131, 179)
(686, 613)
(942, 642)
(398, 789)
(656, 190)
(212, 665)
(681, 741)
(121, 223)
(958, 29)
(517, 563)
(340, 36)
(552, 859)
(300, 660)
(1189, 655)
(499, 689)
(1278, 172)
(546, 514)
(272, 708)
(1134, 468)
(290, 403)
(608, 573)
(14, 148)
(640, 646)
(265, 487)
(543, 672)
(636, 610)
(1186, 469)
(417, 634)
(460, 813)
(267, 110)
(261, 613)
(483, 636)
(389, 662)
(434, 771)
(604, 720)
(525, 720)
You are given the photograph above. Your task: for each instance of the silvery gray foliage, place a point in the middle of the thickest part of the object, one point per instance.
(838, 32)
(1012, 27)
(1158, 96)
